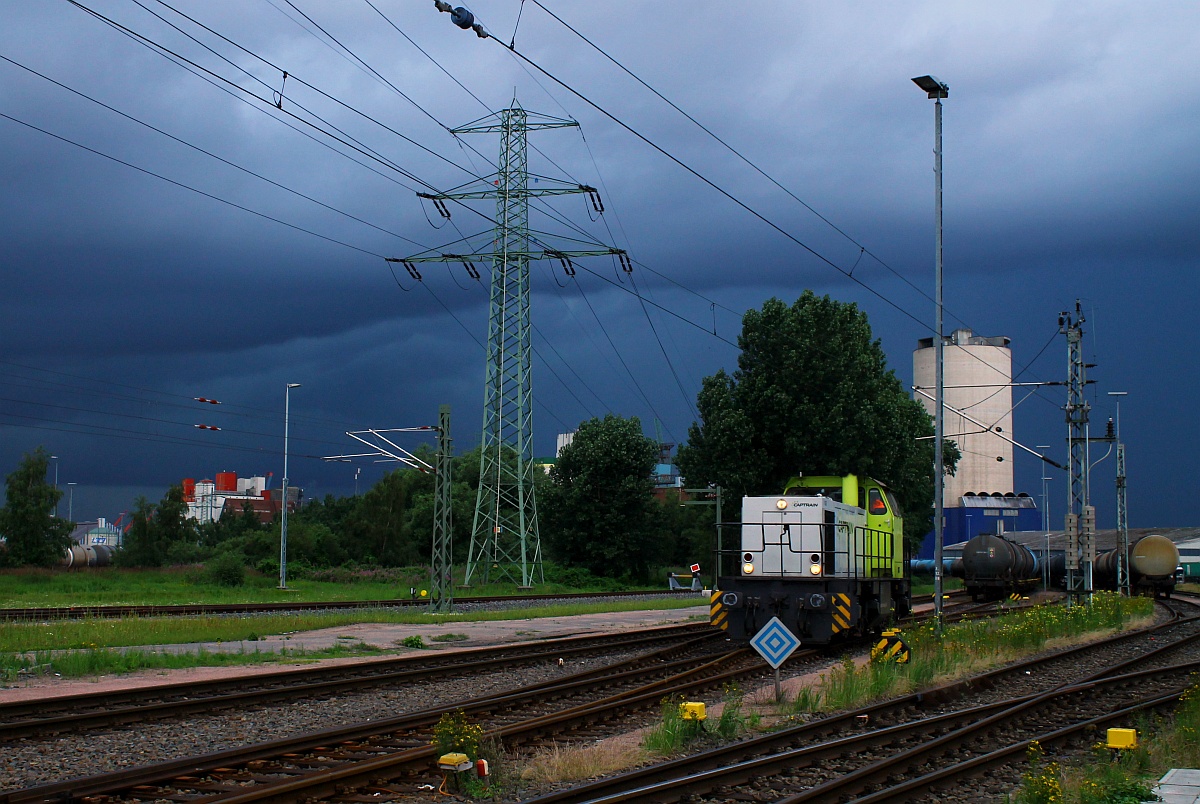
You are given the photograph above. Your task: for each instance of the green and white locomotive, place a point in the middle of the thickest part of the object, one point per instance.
(827, 557)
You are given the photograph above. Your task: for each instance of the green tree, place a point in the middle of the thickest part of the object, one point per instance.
(812, 393)
(141, 547)
(154, 531)
(34, 535)
(378, 530)
(598, 510)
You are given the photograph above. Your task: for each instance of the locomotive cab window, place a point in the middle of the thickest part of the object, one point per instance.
(876, 506)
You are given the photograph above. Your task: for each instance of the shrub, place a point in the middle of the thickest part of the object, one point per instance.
(226, 569)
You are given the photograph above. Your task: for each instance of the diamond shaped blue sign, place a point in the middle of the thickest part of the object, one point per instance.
(775, 643)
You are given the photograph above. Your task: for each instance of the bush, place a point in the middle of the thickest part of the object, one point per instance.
(226, 569)
(183, 553)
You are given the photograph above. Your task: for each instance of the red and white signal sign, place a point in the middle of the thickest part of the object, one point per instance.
(695, 568)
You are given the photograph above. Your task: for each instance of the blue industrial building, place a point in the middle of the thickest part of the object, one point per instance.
(994, 513)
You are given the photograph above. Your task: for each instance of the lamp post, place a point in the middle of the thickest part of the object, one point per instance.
(287, 399)
(55, 459)
(71, 503)
(936, 90)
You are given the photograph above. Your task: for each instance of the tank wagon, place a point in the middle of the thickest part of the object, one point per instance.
(827, 557)
(1152, 563)
(993, 567)
(79, 556)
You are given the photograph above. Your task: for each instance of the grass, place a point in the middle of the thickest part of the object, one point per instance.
(34, 588)
(970, 647)
(108, 643)
(568, 763)
(95, 632)
(94, 661)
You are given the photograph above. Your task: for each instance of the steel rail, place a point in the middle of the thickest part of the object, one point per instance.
(699, 675)
(884, 770)
(93, 710)
(654, 781)
(80, 612)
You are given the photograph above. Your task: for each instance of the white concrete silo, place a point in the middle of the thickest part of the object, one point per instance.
(977, 373)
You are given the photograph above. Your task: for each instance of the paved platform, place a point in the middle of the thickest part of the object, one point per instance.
(1179, 786)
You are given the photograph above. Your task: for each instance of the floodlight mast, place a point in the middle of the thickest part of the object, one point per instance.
(936, 90)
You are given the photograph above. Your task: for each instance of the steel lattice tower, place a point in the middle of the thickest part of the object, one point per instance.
(441, 570)
(1080, 522)
(505, 544)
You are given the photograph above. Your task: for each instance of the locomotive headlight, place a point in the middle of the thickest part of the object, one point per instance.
(781, 504)
(815, 569)
(747, 569)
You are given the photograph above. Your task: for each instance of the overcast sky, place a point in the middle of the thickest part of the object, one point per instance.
(241, 246)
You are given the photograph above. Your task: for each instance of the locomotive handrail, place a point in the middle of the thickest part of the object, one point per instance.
(845, 551)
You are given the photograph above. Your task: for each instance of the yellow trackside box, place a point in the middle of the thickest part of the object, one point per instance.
(454, 762)
(692, 710)
(1122, 738)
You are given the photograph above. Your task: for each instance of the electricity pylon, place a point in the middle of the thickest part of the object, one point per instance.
(504, 537)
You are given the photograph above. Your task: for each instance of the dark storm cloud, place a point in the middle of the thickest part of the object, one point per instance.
(1069, 174)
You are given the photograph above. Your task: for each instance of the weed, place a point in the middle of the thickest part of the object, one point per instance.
(969, 647)
(807, 700)
(674, 731)
(733, 722)
(568, 763)
(454, 733)
(413, 641)
(1041, 782)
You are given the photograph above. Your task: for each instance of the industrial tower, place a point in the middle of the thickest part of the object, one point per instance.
(505, 544)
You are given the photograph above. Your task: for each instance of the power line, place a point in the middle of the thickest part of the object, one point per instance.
(735, 152)
(189, 187)
(210, 154)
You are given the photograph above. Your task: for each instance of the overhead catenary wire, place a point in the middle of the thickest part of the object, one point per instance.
(185, 63)
(208, 153)
(231, 42)
(847, 273)
(189, 188)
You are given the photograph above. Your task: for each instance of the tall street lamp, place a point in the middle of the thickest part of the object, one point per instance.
(1045, 522)
(287, 398)
(71, 503)
(936, 90)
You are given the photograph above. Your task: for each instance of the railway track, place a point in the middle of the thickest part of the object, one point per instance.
(46, 716)
(396, 754)
(392, 759)
(901, 749)
(81, 612)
